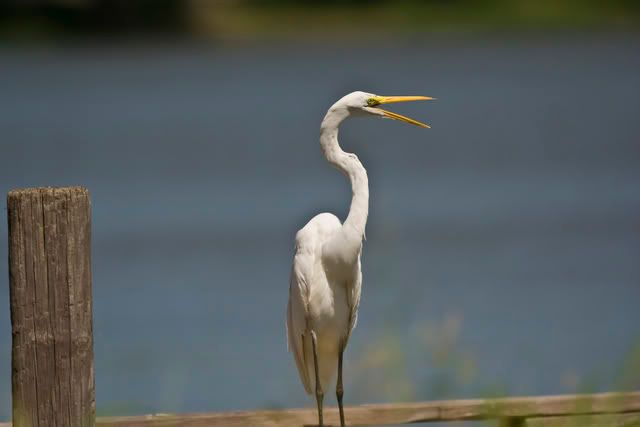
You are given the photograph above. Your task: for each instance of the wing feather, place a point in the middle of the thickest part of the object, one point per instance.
(297, 311)
(306, 261)
(353, 298)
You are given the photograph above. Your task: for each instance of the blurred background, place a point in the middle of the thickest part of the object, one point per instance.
(503, 248)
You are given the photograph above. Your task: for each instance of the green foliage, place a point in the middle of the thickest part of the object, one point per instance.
(629, 375)
(385, 370)
(312, 18)
(382, 371)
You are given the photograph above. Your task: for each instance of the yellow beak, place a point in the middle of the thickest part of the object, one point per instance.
(378, 100)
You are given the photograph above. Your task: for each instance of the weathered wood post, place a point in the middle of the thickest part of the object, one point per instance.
(52, 373)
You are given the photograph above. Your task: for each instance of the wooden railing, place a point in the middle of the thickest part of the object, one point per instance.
(586, 410)
(583, 410)
(52, 345)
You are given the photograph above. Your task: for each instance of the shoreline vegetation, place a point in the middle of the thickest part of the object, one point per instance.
(234, 20)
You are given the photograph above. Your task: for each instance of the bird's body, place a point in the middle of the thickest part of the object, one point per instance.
(325, 299)
(326, 278)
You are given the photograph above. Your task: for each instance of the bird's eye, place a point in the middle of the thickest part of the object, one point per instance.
(372, 102)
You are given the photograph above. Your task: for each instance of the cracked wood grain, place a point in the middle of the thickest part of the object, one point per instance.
(51, 307)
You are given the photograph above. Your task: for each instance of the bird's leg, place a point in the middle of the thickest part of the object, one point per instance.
(339, 389)
(319, 393)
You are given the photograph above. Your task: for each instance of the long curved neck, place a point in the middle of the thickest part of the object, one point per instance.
(349, 165)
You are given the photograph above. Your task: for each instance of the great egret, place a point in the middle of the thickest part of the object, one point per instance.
(324, 289)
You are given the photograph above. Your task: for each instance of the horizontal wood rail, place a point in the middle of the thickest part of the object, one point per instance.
(603, 409)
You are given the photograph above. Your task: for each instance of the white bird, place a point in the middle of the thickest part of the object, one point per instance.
(326, 279)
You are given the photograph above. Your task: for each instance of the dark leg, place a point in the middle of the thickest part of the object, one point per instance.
(339, 389)
(319, 393)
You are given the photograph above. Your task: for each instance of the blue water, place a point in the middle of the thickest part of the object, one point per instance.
(502, 252)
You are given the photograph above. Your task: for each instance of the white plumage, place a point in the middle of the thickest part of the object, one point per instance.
(326, 278)
(320, 300)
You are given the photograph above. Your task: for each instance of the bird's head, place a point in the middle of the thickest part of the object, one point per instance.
(363, 103)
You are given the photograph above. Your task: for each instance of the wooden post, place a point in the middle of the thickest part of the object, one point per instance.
(52, 373)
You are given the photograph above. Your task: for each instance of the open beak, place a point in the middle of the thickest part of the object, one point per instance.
(379, 100)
